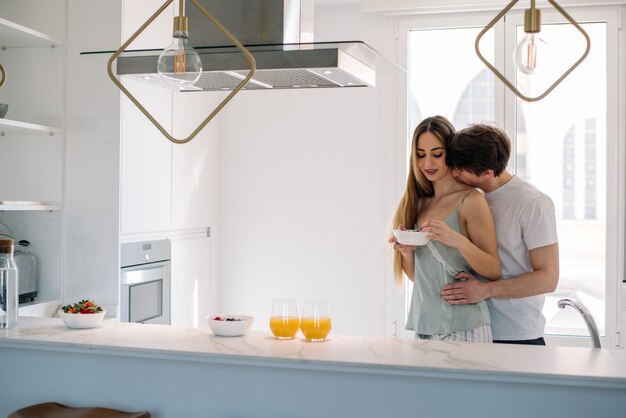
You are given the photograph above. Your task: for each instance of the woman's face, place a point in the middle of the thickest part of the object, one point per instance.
(431, 156)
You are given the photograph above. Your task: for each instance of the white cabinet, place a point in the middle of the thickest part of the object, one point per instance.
(166, 186)
(190, 281)
(125, 181)
(194, 164)
(146, 162)
(146, 155)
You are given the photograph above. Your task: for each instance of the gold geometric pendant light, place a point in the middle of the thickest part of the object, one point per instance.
(180, 25)
(532, 24)
(3, 76)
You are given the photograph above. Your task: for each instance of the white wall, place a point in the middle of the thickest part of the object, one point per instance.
(303, 193)
(91, 210)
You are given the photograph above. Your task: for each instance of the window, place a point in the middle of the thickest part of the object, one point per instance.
(565, 144)
(562, 138)
(447, 78)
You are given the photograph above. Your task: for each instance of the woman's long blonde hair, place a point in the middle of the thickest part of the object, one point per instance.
(417, 185)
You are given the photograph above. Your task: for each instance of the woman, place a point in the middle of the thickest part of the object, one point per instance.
(462, 236)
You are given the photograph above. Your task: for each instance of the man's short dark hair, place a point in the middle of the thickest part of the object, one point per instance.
(479, 148)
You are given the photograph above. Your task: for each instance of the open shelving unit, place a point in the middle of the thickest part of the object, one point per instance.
(14, 35)
(37, 220)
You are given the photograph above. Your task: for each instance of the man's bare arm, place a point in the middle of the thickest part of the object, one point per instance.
(543, 279)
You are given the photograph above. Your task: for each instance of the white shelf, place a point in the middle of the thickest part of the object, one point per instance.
(8, 126)
(14, 205)
(13, 35)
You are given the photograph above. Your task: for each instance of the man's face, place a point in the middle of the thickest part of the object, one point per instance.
(469, 178)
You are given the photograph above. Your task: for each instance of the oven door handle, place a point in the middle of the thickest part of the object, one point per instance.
(143, 275)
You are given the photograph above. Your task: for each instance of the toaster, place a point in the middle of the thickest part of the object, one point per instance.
(26, 264)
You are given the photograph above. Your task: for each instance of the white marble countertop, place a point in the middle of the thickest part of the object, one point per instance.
(572, 365)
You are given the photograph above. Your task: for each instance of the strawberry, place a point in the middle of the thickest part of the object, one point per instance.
(83, 307)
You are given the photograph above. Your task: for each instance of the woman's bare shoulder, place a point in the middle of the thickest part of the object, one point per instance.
(474, 199)
(469, 192)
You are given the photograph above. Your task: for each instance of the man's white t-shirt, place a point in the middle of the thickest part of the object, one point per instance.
(525, 220)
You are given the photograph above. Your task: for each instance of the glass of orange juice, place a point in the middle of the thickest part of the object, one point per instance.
(285, 320)
(315, 323)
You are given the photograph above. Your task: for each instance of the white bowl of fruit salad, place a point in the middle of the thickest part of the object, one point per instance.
(84, 314)
(229, 325)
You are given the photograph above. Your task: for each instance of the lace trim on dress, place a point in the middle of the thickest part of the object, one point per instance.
(435, 252)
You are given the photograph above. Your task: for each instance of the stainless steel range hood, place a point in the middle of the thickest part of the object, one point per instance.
(342, 64)
(279, 34)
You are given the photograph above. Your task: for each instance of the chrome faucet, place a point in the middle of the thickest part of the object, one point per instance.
(591, 324)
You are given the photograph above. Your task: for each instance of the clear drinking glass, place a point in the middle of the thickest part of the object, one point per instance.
(315, 323)
(284, 321)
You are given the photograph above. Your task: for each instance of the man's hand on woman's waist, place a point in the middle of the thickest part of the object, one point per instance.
(466, 289)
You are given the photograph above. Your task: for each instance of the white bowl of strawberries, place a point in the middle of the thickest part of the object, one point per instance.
(84, 314)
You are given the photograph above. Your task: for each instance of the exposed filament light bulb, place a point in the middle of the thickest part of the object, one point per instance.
(179, 64)
(531, 56)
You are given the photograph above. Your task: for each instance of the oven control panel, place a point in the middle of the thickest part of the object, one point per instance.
(136, 253)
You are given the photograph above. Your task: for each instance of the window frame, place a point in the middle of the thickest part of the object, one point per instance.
(505, 113)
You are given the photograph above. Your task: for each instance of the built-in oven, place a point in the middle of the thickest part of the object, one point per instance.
(145, 282)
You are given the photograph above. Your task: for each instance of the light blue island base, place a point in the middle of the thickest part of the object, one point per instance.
(186, 373)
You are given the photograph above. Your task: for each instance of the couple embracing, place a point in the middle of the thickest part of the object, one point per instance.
(493, 250)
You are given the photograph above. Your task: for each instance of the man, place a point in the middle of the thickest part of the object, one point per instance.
(525, 230)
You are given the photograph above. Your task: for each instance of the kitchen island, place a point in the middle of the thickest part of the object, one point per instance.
(176, 372)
